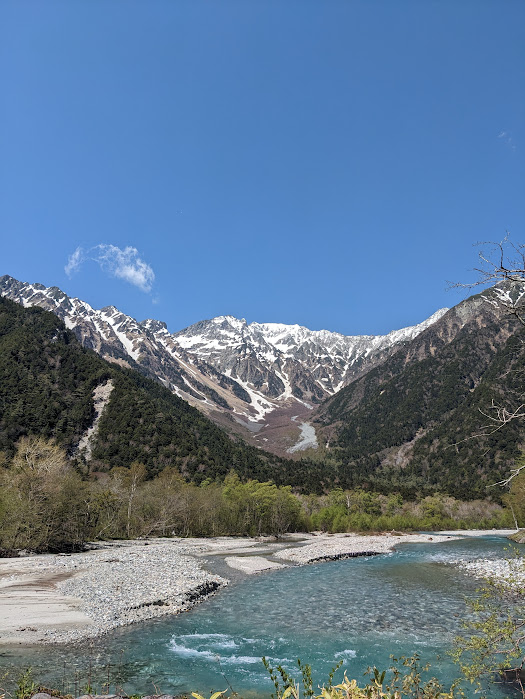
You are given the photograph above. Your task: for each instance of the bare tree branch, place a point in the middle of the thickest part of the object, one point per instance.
(502, 267)
(502, 416)
(513, 473)
(505, 262)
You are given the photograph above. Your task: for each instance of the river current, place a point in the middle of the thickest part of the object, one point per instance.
(360, 611)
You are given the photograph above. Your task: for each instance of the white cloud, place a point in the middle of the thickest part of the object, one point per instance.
(74, 261)
(121, 263)
(125, 264)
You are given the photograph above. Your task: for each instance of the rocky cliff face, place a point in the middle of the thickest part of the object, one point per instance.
(253, 377)
(289, 361)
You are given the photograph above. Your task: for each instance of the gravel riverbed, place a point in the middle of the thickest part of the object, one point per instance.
(327, 547)
(142, 582)
(67, 598)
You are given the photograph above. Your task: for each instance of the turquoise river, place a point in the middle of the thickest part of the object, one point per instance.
(360, 611)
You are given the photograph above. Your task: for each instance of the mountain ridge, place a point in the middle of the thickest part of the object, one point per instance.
(247, 377)
(52, 388)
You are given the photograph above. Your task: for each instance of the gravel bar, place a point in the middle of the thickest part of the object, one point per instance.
(508, 571)
(116, 586)
(326, 547)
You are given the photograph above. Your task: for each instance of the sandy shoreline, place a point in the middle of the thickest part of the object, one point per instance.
(67, 598)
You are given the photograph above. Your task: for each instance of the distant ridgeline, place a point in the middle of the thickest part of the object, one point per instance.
(46, 388)
(416, 419)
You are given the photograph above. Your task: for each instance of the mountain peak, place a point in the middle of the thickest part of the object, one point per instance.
(110, 310)
(237, 323)
(153, 325)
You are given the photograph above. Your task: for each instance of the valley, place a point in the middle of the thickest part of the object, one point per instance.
(251, 379)
(100, 446)
(262, 349)
(383, 412)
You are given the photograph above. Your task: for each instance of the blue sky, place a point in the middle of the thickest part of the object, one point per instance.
(328, 163)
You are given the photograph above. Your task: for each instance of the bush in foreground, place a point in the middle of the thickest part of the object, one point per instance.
(407, 679)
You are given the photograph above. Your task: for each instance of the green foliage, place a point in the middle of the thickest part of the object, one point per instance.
(407, 681)
(358, 510)
(215, 695)
(45, 505)
(431, 408)
(26, 686)
(255, 508)
(285, 685)
(515, 498)
(46, 380)
(494, 644)
(42, 500)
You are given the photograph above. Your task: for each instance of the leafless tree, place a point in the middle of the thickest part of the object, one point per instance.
(502, 266)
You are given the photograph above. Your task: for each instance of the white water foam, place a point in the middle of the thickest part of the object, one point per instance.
(216, 640)
(211, 646)
(185, 652)
(205, 636)
(241, 659)
(348, 653)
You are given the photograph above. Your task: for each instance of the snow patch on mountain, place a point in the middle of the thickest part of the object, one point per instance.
(117, 325)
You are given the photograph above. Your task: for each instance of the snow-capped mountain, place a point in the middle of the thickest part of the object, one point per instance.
(288, 362)
(257, 375)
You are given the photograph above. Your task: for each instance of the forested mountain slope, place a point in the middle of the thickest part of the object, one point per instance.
(410, 423)
(47, 382)
(254, 379)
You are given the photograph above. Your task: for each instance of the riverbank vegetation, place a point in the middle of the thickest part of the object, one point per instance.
(48, 504)
(407, 678)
